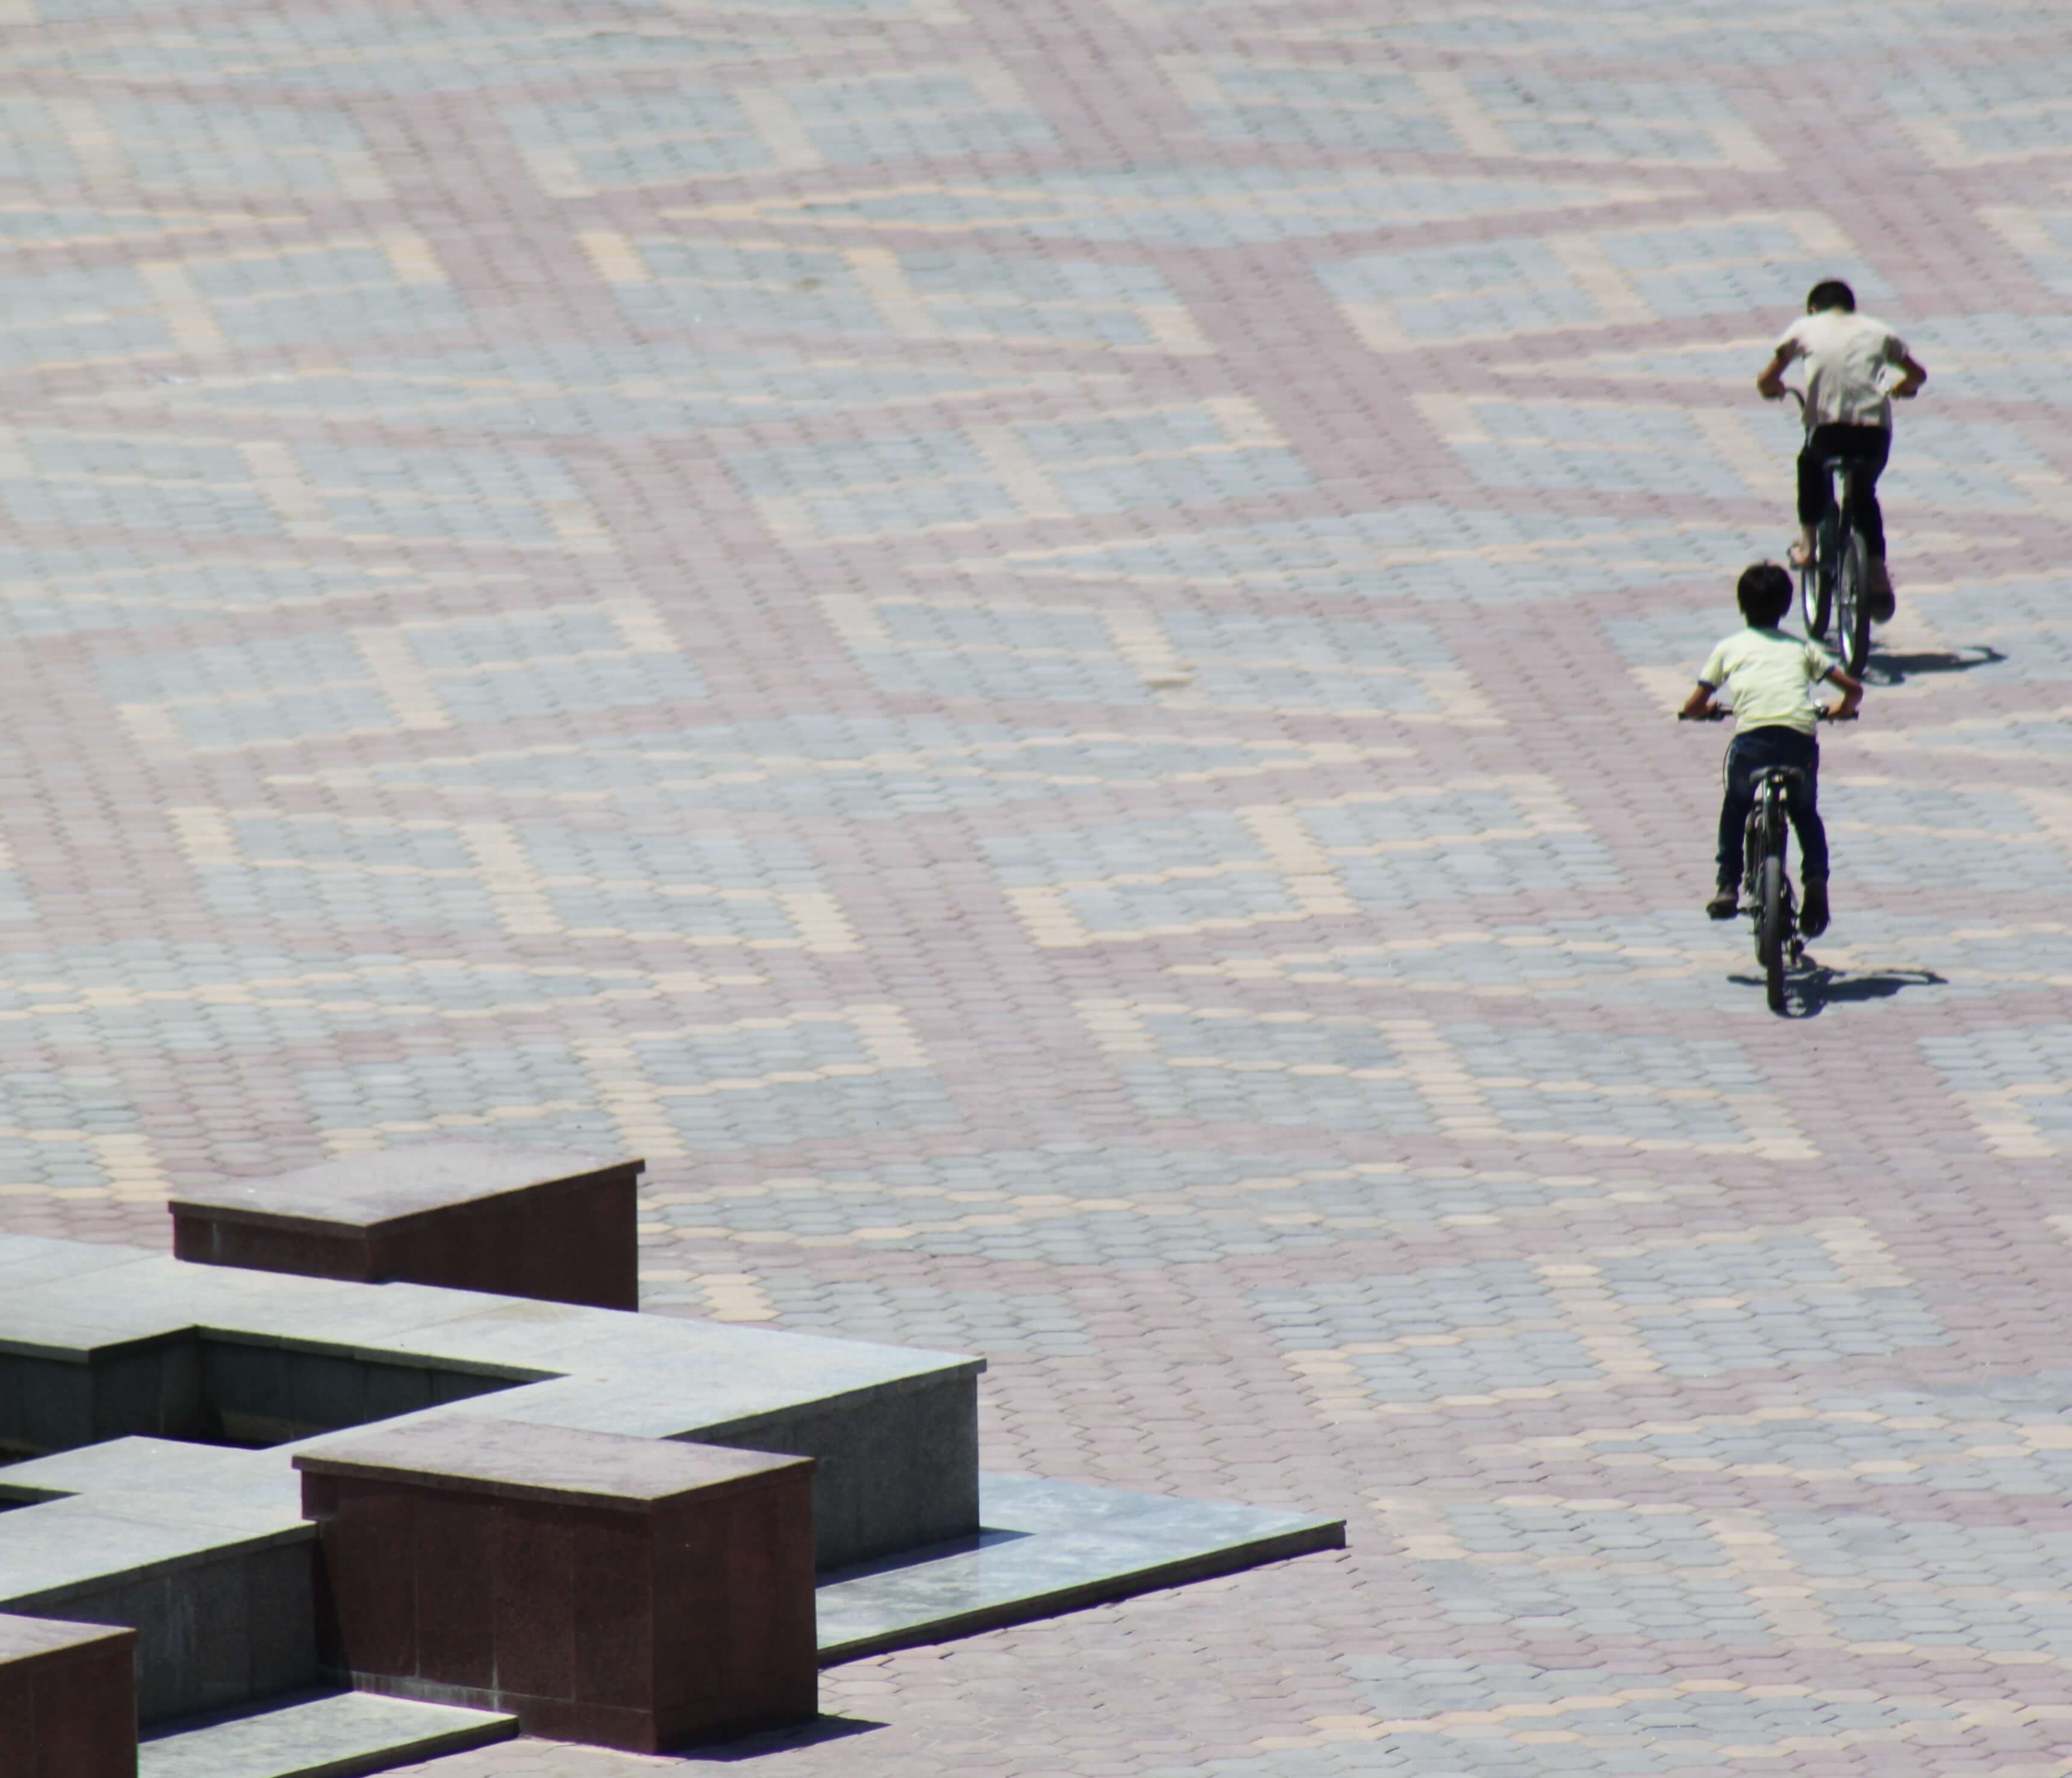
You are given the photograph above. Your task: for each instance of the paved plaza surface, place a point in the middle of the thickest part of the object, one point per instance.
(1029, 641)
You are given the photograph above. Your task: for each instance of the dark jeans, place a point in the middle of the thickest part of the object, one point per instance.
(1867, 447)
(1752, 750)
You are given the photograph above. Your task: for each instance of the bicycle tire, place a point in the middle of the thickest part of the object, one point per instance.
(1769, 924)
(1852, 605)
(1816, 580)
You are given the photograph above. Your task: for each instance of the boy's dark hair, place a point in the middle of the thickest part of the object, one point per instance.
(1831, 293)
(1764, 594)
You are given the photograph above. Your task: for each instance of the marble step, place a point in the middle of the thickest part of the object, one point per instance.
(1048, 1547)
(341, 1736)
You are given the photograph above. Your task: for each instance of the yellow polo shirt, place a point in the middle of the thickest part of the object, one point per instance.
(1766, 678)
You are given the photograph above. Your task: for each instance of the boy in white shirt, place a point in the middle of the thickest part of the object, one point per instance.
(1848, 413)
(1768, 678)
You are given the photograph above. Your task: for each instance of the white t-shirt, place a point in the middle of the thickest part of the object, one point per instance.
(1845, 355)
(1768, 678)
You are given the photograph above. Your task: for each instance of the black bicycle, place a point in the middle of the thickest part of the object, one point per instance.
(1835, 585)
(1765, 883)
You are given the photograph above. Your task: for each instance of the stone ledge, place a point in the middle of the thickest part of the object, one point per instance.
(343, 1735)
(467, 1216)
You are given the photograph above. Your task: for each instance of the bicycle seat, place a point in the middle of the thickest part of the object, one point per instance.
(1781, 774)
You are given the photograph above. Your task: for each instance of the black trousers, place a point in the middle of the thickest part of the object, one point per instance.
(1868, 447)
(1752, 750)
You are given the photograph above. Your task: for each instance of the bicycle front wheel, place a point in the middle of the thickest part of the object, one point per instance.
(1852, 605)
(1770, 930)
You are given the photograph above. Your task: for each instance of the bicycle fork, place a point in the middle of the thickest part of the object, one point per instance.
(1763, 839)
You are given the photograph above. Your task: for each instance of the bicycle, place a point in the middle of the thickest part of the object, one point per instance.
(1835, 584)
(1766, 885)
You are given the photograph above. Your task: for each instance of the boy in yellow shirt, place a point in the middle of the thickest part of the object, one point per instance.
(1767, 678)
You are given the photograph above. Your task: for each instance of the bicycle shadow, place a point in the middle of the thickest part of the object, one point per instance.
(1884, 669)
(1814, 986)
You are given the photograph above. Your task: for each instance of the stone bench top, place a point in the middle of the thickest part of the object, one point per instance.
(35, 1638)
(691, 1376)
(84, 1545)
(518, 1460)
(369, 1191)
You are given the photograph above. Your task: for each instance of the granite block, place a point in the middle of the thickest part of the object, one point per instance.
(467, 1216)
(628, 1591)
(68, 1699)
(532, 1598)
(456, 1620)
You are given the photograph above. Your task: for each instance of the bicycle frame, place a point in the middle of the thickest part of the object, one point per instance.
(1779, 945)
(1767, 834)
(1835, 582)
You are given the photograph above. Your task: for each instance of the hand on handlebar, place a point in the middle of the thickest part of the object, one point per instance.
(1714, 714)
(1834, 713)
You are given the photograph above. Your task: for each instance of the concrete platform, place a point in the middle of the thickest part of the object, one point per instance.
(203, 1552)
(125, 1342)
(341, 1736)
(1048, 1547)
(143, 1362)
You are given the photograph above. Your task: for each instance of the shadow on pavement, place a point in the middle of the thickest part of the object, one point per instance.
(1814, 986)
(1885, 669)
(1819, 985)
(821, 1729)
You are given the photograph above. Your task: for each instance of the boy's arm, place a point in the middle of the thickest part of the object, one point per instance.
(1912, 374)
(1770, 381)
(1700, 703)
(1851, 691)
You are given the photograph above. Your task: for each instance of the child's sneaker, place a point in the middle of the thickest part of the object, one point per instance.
(1881, 603)
(1726, 904)
(1813, 915)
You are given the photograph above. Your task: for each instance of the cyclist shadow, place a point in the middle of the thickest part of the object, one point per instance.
(1885, 669)
(1813, 986)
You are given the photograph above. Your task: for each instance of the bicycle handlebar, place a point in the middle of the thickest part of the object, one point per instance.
(1822, 713)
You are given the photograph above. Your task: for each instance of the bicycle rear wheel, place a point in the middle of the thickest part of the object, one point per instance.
(1816, 579)
(1852, 604)
(1770, 930)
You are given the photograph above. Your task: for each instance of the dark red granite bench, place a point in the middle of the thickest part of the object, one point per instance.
(634, 1593)
(470, 1216)
(68, 1699)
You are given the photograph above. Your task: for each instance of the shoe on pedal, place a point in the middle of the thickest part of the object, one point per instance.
(1880, 600)
(1813, 915)
(1725, 904)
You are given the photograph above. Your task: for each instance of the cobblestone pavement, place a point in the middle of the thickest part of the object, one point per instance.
(1030, 643)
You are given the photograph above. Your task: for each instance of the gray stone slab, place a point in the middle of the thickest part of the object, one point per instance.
(1048, 1547)
(182, 1477)
(27, 1260)
(40, 1324)
(68, 1549)
(479, 1456)
(338, 1736)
